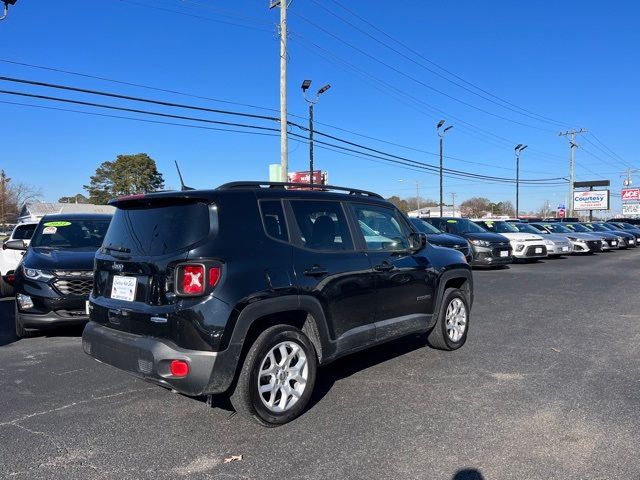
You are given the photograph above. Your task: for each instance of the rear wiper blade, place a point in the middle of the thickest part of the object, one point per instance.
(117, 248)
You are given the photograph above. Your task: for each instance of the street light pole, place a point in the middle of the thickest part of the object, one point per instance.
(5, 14)
(305, 86)
(441, 134)
(519, 148)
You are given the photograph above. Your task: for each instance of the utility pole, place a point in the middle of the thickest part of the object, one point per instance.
(417, 191)
(284, 141)
(572, 144)
(453, 202)
(441, 134)
(305, 86)
(627, 177)
(3, 196)
(519, 148)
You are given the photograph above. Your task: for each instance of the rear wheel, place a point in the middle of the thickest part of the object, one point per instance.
(450, 331)
(277, 377)
(21, 332)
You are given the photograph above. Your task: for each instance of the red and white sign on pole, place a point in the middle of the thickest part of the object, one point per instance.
(561, 213)
(630, 194)
(319, 177)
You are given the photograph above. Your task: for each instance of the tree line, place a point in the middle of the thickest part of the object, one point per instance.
(473, 207)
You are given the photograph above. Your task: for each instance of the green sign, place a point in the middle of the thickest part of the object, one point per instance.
(57, 224)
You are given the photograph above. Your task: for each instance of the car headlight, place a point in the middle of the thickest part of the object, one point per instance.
(35, 274)
(621, 239)
(519, 248)
(573, 239)
(480, 243)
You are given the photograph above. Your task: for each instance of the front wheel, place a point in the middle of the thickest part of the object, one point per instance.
(277, 377)
(21, 332)
(450, 331)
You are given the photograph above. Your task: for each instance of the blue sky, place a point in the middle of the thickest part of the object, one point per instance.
(574, 62)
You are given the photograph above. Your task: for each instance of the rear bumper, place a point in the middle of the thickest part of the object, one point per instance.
(149, 358)
(49, 320)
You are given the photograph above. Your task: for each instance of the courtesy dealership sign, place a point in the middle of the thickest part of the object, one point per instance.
(592, 200)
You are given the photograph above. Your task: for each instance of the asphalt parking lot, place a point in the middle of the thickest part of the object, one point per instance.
(547, 386)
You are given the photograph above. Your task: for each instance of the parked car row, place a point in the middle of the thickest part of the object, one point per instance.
(499, 242)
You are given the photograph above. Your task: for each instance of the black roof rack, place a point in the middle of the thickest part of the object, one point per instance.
(306, 186)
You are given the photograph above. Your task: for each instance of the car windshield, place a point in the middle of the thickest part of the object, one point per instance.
(460, 226)
(499, 227)
(557, 228)
(424, 227)
(597, 227)
(24, 232)
(526, 228)
(71, 234)
(612, 226)
(628, 226)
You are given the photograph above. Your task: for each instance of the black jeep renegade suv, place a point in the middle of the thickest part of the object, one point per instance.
(246, 289)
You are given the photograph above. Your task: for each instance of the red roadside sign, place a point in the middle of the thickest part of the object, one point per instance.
(630, 194)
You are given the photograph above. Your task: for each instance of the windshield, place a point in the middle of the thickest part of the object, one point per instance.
(24, 232)
(577, 227)
(557, 228)
(598, 227)
(628, 226)
(612, 226)
(459, 226)
(499, 227)
(423, 226)
(72, 234)
(526, 228)
(157, 229)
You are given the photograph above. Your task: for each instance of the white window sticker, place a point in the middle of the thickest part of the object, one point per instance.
(49, 230)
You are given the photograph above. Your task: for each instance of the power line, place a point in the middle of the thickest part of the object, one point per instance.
(431, 62)
(414, 79)
(508, 106)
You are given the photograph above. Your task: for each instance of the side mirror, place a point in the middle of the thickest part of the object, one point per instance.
(417, 241)
(15, 245)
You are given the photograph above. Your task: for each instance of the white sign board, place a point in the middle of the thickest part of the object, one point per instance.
(631, 209)
(593, 200)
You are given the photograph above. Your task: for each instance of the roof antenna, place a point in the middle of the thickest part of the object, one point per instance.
(183, 187)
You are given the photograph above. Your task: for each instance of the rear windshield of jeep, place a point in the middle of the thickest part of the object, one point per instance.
(157, 229)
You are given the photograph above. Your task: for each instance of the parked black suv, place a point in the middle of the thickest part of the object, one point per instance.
(246, 289)
(441, 239)
(54, 278)
(489, 249)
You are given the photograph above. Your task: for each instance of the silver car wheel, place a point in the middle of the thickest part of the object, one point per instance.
(283, 376)
(456, 319)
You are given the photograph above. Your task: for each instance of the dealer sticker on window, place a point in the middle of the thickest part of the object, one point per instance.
(124, 288)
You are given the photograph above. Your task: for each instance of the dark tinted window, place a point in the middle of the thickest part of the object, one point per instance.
(70, 234)
(322, 225)
(24, 232)
(382, 228)
(158, 230)
(424, 227)
(273, 219)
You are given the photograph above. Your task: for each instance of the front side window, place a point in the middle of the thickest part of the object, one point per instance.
(322, 225)
(382, 228)
(273, 219)
(24, 232)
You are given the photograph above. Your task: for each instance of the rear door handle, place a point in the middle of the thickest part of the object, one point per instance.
(315, 271)
(384, 267)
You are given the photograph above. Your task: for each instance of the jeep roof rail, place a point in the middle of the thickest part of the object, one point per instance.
(283, 185)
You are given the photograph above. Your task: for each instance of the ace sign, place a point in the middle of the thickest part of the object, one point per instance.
(630, 194)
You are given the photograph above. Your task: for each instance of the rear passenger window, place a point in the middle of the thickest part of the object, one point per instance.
(322, 225)
(273, 220)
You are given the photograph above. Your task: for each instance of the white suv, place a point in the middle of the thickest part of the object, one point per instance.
(9, 259)
(526, 246)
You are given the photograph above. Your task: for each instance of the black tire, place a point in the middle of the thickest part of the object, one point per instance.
(246, 399)
(6, 290)
(21, 332)
(438, 337)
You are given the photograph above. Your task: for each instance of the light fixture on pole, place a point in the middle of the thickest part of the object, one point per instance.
(441, 134)
(6, 8)
(519, 148)
(306, 84)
